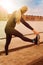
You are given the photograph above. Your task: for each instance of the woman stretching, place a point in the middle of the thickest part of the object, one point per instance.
(10, 30)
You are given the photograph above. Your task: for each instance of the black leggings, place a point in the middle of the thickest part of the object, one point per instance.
(17, 34)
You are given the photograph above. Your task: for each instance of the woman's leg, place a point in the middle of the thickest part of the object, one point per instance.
(18, 34)
(8, 39)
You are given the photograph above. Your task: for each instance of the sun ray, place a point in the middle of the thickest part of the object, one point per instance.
(8, 5)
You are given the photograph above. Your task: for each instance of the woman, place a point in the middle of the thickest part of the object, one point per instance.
(10, 30)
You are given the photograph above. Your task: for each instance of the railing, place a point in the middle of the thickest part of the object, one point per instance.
(24, 35)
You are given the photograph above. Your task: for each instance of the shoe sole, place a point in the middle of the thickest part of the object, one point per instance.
(38, 39)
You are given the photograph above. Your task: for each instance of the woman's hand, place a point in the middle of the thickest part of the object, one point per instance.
(35, 32)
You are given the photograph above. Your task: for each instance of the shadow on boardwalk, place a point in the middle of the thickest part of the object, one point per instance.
(19, 48)
(38, 61)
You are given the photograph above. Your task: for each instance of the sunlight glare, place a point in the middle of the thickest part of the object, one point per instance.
(8, 5)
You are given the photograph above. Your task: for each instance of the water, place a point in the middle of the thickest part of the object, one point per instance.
(20, 27)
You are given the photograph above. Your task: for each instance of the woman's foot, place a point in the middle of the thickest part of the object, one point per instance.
(37, 40)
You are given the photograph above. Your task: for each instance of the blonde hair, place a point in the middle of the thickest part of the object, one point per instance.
(24, 9)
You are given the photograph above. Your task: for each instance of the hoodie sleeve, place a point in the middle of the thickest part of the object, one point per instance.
(25, 23)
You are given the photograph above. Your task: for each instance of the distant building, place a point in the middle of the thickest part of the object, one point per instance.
(33, 18)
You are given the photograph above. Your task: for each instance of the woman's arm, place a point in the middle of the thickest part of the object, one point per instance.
(25, 23)
(28, 26)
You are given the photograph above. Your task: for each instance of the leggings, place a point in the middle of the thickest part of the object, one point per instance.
(17, 34)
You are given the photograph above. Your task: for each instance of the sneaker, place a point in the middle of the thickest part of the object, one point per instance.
(37, 39)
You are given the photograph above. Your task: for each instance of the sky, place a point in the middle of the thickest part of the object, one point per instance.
(35, 7)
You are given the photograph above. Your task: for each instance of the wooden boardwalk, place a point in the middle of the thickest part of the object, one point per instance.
(22, 53)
